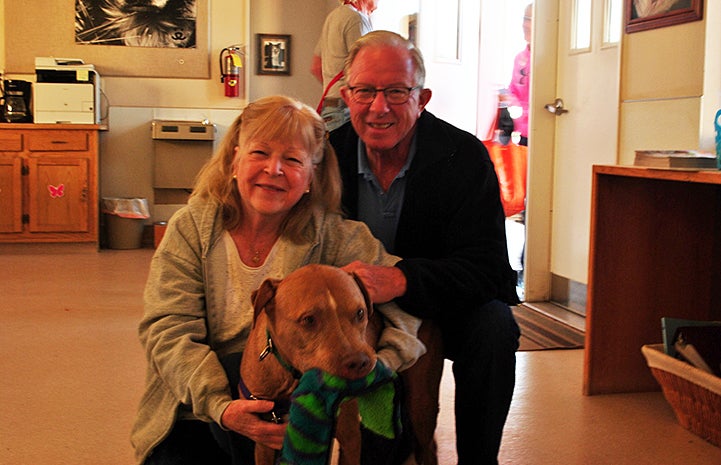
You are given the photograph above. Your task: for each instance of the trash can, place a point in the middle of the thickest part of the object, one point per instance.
(159, 232)
(125, 220)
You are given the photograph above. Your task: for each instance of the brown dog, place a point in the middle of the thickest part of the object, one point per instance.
(322, 317)
(317, 317)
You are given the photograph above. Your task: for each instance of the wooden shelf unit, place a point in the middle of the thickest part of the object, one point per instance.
(655, 251)
(49, 183)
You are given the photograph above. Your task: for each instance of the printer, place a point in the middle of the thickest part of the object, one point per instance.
(66, 91)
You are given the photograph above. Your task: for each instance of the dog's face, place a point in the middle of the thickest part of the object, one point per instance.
(317, 317)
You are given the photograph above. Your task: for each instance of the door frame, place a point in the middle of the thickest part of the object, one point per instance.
(539, 190)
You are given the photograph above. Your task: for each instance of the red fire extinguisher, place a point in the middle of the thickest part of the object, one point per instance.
(230, 64)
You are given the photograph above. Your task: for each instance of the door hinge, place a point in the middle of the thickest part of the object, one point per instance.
(26, 219)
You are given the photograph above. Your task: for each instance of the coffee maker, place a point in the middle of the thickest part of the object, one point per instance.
(16, 101)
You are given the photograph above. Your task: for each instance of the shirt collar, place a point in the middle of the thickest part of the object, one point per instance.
(364, 167)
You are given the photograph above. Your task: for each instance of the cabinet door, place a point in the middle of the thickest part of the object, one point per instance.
(58, 194)
(10, 194)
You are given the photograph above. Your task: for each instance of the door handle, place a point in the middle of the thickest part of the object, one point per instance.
(556, 107)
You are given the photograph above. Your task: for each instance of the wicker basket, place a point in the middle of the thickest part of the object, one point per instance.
(694, 395)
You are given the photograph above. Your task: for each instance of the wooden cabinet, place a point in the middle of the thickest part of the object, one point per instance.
(48, 183)
(655, 251)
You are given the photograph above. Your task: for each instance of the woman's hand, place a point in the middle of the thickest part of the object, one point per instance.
(242, 417)
(384, 283)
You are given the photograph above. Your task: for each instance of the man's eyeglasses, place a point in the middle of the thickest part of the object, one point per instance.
(393, 95)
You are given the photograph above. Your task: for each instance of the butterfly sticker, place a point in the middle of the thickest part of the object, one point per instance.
(56, 192)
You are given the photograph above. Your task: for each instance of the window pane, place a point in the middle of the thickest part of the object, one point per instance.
(448, 31)
(581, 32)
(612, 23)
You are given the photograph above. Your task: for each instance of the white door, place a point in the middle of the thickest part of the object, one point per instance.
(575, 60)
(562, 148)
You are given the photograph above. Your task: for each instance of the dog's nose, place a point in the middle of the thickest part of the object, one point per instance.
(356, 366)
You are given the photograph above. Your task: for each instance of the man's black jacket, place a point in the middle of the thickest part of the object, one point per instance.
(451, 232)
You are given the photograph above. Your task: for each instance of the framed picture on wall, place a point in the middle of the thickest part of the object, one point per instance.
(119, 38)
(273, 52)
(642, 15)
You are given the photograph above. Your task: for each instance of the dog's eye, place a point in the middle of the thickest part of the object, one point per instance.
(360, 314)
(307, 320)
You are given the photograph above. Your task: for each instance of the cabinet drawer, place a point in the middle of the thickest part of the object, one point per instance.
(57, 141)
(11, 142)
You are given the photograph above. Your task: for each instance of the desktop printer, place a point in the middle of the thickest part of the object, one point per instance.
(67, 91)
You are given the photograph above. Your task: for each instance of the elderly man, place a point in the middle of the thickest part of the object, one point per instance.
(428, 190)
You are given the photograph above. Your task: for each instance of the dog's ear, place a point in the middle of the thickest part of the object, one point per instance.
(364, 291)
(263, 297)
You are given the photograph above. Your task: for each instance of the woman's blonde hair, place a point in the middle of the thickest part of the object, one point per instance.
(276, 118)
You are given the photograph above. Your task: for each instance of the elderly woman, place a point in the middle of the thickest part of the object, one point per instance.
(267, 203)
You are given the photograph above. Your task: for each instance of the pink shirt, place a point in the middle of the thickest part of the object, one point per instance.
(519, 87)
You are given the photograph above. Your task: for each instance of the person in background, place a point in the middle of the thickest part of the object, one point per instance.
(518, 89)
(517, 100)
(346, 23)
(429, 191)
(265, 204)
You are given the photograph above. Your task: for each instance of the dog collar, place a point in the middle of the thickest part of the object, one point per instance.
(281, 408)
(270, 349)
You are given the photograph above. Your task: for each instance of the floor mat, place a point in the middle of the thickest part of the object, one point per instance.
(540, 332)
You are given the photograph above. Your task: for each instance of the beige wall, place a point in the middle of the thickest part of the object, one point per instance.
(665, 97)
(2, 35)
(711, 101)
(228, 25)
(303, 20)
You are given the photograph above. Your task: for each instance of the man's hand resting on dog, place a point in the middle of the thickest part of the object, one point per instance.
(242, 417)
(384, 283)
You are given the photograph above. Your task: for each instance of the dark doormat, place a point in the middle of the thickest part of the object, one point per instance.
(541, 332)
